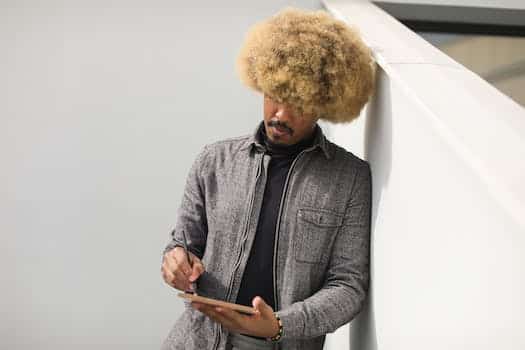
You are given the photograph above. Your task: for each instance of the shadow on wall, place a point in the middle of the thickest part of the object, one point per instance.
(378, 151)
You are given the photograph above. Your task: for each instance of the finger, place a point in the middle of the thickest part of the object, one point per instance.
(167, 276)
(169, 260)
(167, 273)
(171, 279)
(174, 277)
(241, 323)
(215, 316)
(197, 270)
(228, 318)
(234, 316)
(182, 260)
(181, 280)
(260, 305)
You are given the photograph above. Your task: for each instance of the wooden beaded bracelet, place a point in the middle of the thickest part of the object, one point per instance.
(277, 337)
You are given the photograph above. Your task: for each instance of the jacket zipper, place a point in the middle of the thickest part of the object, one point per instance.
(241, 250)
(277, 226)
(276, 239)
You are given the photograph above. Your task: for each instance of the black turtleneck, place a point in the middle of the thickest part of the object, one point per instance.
(279, 150)
(258, 276)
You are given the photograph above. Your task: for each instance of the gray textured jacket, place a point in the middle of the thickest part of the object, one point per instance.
(321, 252)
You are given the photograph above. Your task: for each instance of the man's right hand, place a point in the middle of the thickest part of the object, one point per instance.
(177, 272)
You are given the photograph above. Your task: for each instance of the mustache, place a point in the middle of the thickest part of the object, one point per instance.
(277, 123)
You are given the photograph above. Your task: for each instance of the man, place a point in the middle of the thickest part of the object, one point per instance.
(280, 220)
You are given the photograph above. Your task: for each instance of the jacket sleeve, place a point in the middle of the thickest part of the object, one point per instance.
(347, 278)
(191, 216)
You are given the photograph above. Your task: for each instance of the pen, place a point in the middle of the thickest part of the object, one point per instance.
(185, 242)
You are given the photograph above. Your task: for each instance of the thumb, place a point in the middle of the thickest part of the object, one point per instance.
(197, 269)
(260, 305)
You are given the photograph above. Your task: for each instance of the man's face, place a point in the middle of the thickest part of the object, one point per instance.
(284, 125)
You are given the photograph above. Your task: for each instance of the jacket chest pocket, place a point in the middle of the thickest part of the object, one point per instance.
(316, 230)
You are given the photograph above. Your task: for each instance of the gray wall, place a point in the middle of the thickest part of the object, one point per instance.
(103, 107)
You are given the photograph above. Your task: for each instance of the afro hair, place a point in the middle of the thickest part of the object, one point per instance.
(311, 61)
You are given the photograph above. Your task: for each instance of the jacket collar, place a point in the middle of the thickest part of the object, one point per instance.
(254, 141)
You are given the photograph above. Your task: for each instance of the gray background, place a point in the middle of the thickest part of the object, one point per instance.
(104, 105)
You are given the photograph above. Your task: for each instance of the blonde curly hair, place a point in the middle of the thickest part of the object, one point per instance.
(311, 61)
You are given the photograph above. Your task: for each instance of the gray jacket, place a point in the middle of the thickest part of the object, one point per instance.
(321, 251)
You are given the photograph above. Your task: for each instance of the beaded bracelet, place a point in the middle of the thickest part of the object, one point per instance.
(277, 337)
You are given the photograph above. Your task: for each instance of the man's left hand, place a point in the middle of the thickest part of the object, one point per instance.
(262, 324)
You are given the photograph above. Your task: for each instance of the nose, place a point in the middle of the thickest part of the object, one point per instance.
(284, 113)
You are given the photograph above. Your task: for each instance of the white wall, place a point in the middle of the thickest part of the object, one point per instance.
(503, 4)
(103, 107)
(448, 231)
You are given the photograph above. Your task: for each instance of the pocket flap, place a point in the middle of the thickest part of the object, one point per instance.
(320, 217)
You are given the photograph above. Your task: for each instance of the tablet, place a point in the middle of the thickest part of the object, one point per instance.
(237, 307)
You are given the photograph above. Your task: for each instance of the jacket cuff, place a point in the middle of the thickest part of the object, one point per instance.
(170, 246)
(174, 244)
(293, 323)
